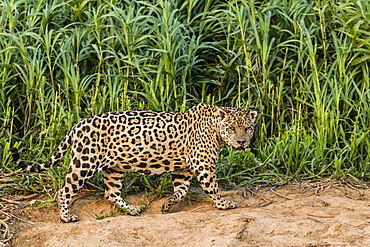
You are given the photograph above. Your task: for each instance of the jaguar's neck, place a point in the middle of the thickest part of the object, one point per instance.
(204, 122)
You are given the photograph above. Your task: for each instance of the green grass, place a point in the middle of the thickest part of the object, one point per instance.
(303, 65)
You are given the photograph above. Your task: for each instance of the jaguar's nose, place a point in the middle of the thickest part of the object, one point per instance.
(241, 143)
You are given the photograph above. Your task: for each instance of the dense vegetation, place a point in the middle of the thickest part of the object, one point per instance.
(303, 65)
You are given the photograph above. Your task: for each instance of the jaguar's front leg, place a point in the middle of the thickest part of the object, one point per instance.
(207, 178)
(181, 182)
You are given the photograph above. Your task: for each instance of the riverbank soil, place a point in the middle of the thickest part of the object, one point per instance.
(309, 213)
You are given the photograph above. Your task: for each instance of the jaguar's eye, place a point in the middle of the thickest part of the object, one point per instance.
(232, 129)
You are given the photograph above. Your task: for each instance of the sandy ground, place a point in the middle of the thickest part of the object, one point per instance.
(320, 213)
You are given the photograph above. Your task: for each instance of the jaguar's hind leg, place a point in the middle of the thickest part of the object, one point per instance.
(113, 186)
(75, 179)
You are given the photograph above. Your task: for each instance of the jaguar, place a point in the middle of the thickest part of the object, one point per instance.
(149, 142)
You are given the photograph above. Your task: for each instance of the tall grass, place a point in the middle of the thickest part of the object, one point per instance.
(303, 65)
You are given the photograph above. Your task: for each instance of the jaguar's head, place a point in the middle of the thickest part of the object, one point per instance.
(236, 127)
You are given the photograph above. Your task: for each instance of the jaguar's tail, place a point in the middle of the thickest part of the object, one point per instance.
(57, 156)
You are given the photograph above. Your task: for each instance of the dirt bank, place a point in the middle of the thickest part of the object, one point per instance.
(324, 213)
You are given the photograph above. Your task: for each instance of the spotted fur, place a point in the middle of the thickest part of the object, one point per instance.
(149, 142)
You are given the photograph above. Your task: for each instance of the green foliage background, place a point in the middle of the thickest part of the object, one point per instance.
(303, 65)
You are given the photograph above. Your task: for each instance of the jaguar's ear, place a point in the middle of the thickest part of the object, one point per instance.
(221, 113)
(252, 115)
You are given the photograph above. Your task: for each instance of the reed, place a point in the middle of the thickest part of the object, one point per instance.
(303, 65)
